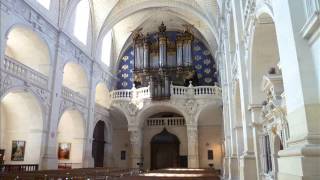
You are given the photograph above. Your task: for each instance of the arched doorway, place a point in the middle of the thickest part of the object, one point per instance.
(164, 150)
(98, 144)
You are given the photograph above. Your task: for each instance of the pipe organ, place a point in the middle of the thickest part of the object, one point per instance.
(160, 62)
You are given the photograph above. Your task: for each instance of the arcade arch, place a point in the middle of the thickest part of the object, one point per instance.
(27, 47)
(121, 148)
(22, 124)
(102, 95)
(70, 138)
(75, 78)
(210, 137)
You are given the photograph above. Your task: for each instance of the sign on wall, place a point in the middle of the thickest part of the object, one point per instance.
(18, 150)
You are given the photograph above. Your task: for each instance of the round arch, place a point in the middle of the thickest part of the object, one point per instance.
(75, 78)
(210, 134)
(154, 108)
(123, 10)
(102, 95)
(29, 48)
(164, 150)
(70, 138)
(120, 145)
(21, 126)
(98, 143)
(264, 55)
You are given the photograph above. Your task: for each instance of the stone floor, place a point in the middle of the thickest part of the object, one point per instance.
(178, 174)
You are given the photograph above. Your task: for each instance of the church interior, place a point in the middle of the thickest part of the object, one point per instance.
(160, 89)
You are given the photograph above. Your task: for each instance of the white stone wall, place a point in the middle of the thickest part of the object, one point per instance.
(297, 34)
(287, 93)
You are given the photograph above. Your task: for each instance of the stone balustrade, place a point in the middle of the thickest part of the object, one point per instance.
(196, 91)
(123, 94)
(24, 72)
(165, 121)
(175, 91)
(71, 95)
(143, 92)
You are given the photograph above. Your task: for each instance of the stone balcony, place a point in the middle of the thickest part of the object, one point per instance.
(176, 92)
(73, 96)
(21, 71)
(187, 100)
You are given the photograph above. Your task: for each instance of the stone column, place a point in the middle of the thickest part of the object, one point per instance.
(50, 158)
(193, 155)
(136, 142)
(247, 159)
(257, 128)
(88, 160)
(300, 160)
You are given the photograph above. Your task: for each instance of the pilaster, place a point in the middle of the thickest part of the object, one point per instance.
(256, 128)
(136, 142)
(301, 159)
(50, 159)
(193, 155)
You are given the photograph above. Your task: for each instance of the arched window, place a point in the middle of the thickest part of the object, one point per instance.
(45, 3)
(106, 48)
(82, 13)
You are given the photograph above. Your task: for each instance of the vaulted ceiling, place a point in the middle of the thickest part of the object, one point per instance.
(124, 16)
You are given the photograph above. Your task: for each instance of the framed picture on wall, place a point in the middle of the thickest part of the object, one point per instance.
(64, 151)
(18, 149)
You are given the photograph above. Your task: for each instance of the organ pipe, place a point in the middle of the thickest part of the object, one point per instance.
(154, 67)
(179, 53)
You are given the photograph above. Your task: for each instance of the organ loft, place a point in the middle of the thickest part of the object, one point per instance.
(161, 61)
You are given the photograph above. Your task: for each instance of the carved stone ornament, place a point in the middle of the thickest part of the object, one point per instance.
(135, 137)
(191, 107)
(130, 107)
(6, 83)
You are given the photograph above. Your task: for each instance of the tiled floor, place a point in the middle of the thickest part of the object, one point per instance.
(178, 174)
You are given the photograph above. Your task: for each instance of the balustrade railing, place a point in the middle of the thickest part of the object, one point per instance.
(197, 91)
(142, 92)
(175, 91)
(24, 72)
(167, 121)
(123, 94)
(73, 96)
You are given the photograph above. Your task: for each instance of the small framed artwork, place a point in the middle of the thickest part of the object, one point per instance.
(18, 149)
(64, 151)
